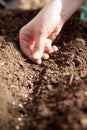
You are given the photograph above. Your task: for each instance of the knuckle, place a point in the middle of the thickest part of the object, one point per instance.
(25, 33)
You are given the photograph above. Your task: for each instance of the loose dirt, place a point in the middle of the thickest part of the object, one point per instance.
(50, 96)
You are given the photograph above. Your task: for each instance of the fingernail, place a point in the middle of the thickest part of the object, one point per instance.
(36, 55)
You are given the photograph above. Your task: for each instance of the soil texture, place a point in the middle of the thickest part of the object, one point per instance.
(50, 96)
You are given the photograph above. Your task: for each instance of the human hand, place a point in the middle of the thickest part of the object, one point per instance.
(36, 37)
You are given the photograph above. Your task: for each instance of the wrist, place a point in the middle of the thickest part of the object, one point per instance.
(69, 7)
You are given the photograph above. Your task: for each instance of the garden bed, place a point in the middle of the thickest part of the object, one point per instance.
(50, 96)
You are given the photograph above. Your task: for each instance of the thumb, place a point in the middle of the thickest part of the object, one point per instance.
(39, 46)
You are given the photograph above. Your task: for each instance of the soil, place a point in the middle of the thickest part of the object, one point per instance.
(50, 96)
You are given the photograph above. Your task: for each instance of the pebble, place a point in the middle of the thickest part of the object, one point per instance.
(30, 91)
(17, 127)
(2, 64)
(71, 79)
(25, 103)
(50, 87)
(13, 103)
(19, 119)
(20, 105)
(84, 122)
(85, 92)
(26, 96)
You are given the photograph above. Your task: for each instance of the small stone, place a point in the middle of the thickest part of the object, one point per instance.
(85, 93)
(25, 103)
(19, 119)
(30, 91)
(25, 95)
(84, 122)
(50, 87)
(20, 105)
(71, 79)
(53, 80)
(13, 103)
(2, 64)
(30, 99)
(17, 127)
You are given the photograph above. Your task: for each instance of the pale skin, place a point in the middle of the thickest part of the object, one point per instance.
(37, 36)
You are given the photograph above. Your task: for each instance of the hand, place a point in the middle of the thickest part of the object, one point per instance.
(37, 36)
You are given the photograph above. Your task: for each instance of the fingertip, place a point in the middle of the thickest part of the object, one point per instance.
(39, 61)
(45, 56)
(50, 50)
(55, 48)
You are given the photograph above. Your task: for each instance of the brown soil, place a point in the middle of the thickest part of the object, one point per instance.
(50, 96)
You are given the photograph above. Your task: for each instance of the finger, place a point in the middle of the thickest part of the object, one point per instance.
(28, 52)
(26, 44)
(45, 56)
(39, 47)
(55, 48)
(48, 46)
(38, 61)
